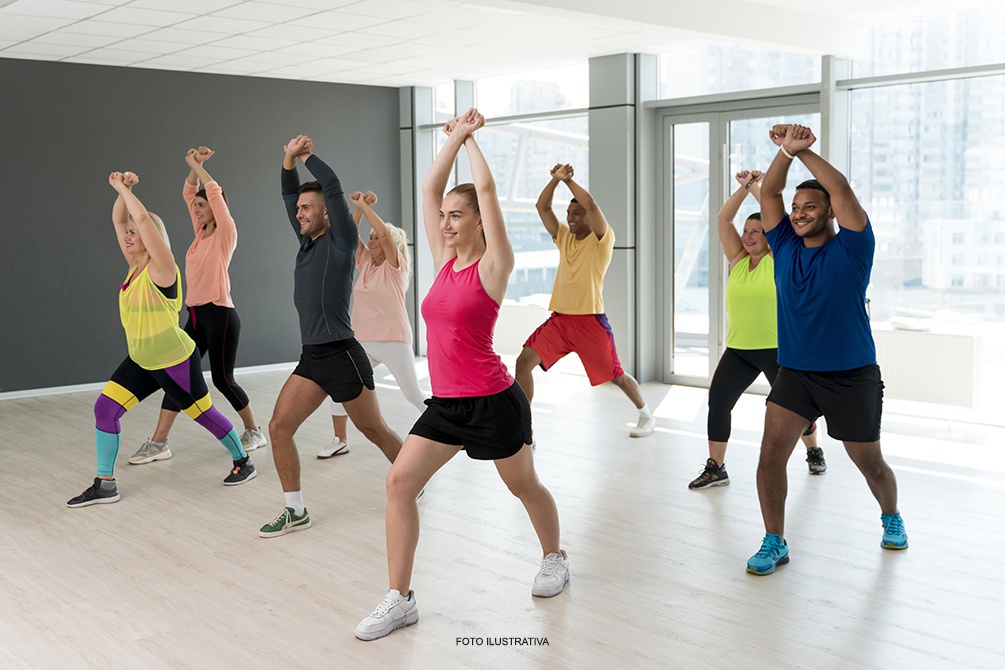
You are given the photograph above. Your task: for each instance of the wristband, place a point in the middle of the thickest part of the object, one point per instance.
(791, 157)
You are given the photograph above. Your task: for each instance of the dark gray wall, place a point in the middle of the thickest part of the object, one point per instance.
(65, 127)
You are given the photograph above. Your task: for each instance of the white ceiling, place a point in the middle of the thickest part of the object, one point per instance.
(416, 42)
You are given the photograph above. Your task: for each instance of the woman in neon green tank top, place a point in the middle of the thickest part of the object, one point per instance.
(752, 337)
(161, 355)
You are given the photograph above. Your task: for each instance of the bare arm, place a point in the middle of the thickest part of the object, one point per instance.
(162, 268)
(595, 218)
(773, 184)
(544, 201)
(732, 245)
(379, 228)
(844, 203)
(357, 216)
(498, 261)
(433, 187)
(120, 215)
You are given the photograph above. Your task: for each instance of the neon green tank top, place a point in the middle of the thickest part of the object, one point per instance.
(150, 320)
(751, 306)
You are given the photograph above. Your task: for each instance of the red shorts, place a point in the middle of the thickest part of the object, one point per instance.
(588, 335)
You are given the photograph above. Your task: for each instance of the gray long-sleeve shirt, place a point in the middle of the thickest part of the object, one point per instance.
(322, 289)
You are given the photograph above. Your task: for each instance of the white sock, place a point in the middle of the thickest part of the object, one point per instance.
(644, 411)
(295, 499)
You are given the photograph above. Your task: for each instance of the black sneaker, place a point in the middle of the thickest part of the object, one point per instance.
(815, 458)
(100, 492)
(712, 475)
(244, 471)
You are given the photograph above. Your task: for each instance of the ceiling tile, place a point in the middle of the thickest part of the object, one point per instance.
(277, 59)
(188, 6)
(143, 45)
(319, 5)
(143, 17)
(21, 28)
(54, 51)
(404, 29)
(76, 39)
(389, 9)
(252, 43)
(219, 24)
(337, 21)
(316, 50)
(115, 55)
(212, 51)
(180, 62)
(122, 30)
(292, 33)
(54, 9)
(359, 40)
(184, 36)
(260, 11)
(234, 67)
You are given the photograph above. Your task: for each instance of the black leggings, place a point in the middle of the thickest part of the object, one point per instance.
(216, 330)
(737, 370)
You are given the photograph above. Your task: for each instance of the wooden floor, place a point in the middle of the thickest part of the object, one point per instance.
(175, 575)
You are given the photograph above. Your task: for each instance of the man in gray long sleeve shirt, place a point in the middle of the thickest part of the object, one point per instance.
(332, 363)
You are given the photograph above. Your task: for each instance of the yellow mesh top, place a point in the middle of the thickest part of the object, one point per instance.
(150, 320)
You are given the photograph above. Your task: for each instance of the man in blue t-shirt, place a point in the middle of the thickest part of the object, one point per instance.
(825, 346)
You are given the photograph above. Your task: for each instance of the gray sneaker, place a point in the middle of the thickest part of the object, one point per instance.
(149, 452)
(252, 439)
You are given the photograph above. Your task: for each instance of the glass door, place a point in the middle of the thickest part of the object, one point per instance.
(701, 152)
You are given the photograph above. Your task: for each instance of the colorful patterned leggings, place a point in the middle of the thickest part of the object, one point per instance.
(183, 383)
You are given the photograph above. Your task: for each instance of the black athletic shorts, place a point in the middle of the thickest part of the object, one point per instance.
(488, 427)
(341, 368)
(850, 400)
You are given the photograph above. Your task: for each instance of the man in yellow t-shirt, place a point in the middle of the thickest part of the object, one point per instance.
(578, 323)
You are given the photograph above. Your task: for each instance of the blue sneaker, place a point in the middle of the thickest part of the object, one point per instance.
(774, 551)
(894, 535)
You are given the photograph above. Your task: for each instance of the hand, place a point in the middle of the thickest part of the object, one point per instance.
(203, 154)
(370, 198)
(466, 123)
(295, 147)
(562, 173)
(130, 179)
(799, 138)
(192, 158)
(115, 181)
(448, 127)
(308, 146)
(358, 200)
(749, 178)
(777, 133)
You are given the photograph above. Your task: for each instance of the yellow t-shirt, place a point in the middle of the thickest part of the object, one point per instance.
(579, 283)
(751, 307)
(150, 320)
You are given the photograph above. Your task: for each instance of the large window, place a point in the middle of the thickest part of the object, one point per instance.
(550, 90)
(521, 155)
(935, 43)
(702, 67)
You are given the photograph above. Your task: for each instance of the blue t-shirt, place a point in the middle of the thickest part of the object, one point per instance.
(822, 320)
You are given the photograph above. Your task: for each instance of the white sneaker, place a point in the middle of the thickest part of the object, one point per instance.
(393, 612)
(150, 452)
(252, 439)
(646, 425)
(553, 576)
(336, 448)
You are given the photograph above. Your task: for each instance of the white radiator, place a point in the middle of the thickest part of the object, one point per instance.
(929, 367)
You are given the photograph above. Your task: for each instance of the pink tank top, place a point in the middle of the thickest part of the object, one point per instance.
(460, 320)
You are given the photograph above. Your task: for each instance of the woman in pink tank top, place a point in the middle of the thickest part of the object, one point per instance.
(476, 404)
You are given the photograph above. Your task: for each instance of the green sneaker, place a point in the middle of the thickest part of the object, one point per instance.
(286, 522)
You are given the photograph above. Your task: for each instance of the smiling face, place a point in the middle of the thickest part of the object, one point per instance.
(203, 212)
(131, 240)
(811, 216)
(460, 224)
(312, 214)
(575, 216)
(376, 251)
(754, 242)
